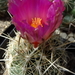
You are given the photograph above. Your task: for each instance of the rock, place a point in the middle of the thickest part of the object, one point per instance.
(70, 35)
(57, 31)
(63, 35)
(71, 39)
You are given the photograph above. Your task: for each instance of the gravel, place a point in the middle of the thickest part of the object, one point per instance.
(63, 35)
(4, 25)
(70, 36)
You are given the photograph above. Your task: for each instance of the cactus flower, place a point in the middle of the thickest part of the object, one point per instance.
(36, 19)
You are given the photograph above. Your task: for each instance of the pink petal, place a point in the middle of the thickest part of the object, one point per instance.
(24, 11)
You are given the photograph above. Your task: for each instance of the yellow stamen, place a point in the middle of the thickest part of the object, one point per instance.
(36, 22)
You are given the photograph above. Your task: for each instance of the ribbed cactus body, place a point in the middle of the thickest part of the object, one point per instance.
(47, 59)
(68, 24)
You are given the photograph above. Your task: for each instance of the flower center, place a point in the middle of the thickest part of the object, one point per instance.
(36, 22)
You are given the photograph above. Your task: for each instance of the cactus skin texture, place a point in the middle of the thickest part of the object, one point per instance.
(23, 59)
(68, 24)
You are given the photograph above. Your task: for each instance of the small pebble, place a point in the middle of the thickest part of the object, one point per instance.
(57, 31)
(63, 35)
(71, 39)
(70, 35)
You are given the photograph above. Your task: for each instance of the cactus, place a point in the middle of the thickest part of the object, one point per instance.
(68, 24)
(21, 58)
(50, 58)
(3, 7)
(69, 4)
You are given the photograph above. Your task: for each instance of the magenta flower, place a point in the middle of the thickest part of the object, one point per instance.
(36, 19)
